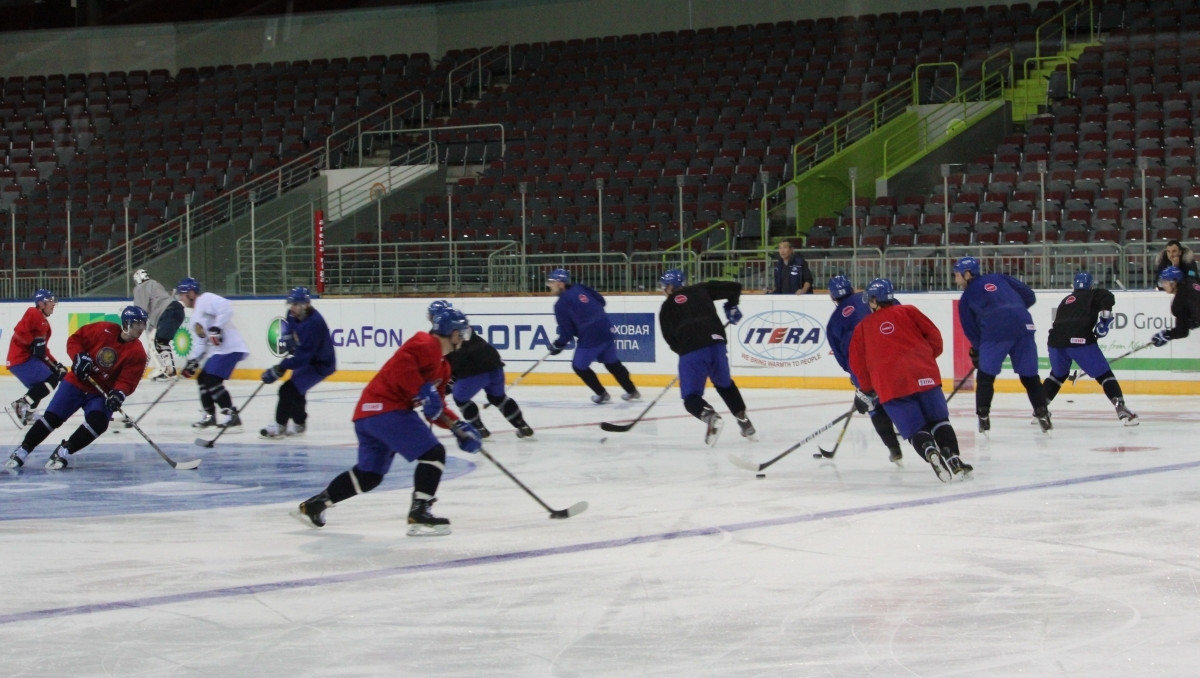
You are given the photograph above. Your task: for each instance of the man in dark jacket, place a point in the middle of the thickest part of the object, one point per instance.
(792, 274)
(1185, 306)
(693, 330)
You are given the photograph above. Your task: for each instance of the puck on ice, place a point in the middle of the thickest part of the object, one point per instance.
(761, 475)
(604, 439)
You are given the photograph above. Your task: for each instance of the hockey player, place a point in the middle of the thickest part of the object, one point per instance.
(476, 366)
(893, 354)
(994, 315)
(1185, 306)
(851, 309)
(690, 325)
(386, 422)
(306, 338)
(104, 354)
(1082, 317)
(212, 322)
(30, 360)
(580, 315)
(166, 315)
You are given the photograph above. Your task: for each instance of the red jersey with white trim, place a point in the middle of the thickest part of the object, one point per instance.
(116, 364)
(417, 362)
(893, 352)
(31, 326)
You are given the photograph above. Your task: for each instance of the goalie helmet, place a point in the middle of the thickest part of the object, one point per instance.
(140, 276)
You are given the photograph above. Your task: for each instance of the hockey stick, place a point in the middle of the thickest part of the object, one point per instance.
(201, 442)
(523, 375)
(751, 466)
(621, 428)
(828, 454)
(561, 514)
(177, 465)
(129, 423)
(960, 384)
(1076, 374)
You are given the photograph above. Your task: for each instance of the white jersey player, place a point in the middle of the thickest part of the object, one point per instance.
(220, 341)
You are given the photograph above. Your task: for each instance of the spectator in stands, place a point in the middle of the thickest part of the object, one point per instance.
(792, 274)
(1177, 255)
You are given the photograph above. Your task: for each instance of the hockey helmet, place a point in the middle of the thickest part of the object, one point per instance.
(840, 287)
(188, 284)
(672, 278)
(967, 264)
(43, 295)
(299, 295)
(1170, 274)
(559, 275)
(1083, 281)
(448, 320)
(133, 314)
(436, 307)
(879, 289)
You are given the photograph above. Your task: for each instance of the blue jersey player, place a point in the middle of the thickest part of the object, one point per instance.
(1083, 316)
(306, 339)
(580, 315)
(851, 309)
(994, 315)
(690, 325)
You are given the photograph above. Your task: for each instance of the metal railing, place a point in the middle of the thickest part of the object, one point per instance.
(488, 57)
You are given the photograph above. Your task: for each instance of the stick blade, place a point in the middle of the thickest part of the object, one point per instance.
(826, 453)
(742, 462)
(190, 465)
(201, 442)
(615, 428)
(573, 510)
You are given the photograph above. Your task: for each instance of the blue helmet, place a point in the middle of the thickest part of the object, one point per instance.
(43, 295)
(1084, 281)
(133, 314)
(879, 289)
(1171, 274)
(559, 275)
(299, 295)
(436, 307)
(672, 278)
(840, 287)
(967, 264)
(448, 320)
(188, 284)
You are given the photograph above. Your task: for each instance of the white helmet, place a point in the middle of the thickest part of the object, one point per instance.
(140, 276)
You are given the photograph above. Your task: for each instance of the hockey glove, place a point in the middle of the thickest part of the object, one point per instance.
(190, 369)
(865, 402)
(38, 347)
(429, 400)
(1160, 339)
(82, 365)
(556, 348)
(214, 336)
(1105, 319)
(974, 357)
(115, 400)
(270, 374)
(732, 313)
(468, 437)
(61, 369)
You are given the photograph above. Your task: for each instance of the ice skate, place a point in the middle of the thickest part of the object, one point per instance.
(523, 431)
(20, 412)
(896, 457)
(1043, 419)
(16, 459)
(939, 465)
(1127, 417)
(483, 430)
(58, 459)
(631, 397)
(985, 421)
(207, 421)
(312, 510)
(714, 424)
(602, 398)
(272, 431)
(748, 430)
(959, 467)
(422, 523)
(294, 429)
(233, 423)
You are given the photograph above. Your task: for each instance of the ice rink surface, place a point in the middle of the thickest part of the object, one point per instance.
(1069, 554)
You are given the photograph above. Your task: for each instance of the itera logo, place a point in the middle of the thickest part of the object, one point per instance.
(781, 338)
(276, 343)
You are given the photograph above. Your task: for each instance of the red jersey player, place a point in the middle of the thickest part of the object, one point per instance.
(30, 360)
(108, 354)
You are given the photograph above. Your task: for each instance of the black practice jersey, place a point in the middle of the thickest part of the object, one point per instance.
(1075, 320)
(688, 319)
(1186, 309)
(474, 356)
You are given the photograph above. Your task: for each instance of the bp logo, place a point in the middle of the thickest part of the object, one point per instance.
(277, 342)
(182, 342)
(781, 338)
